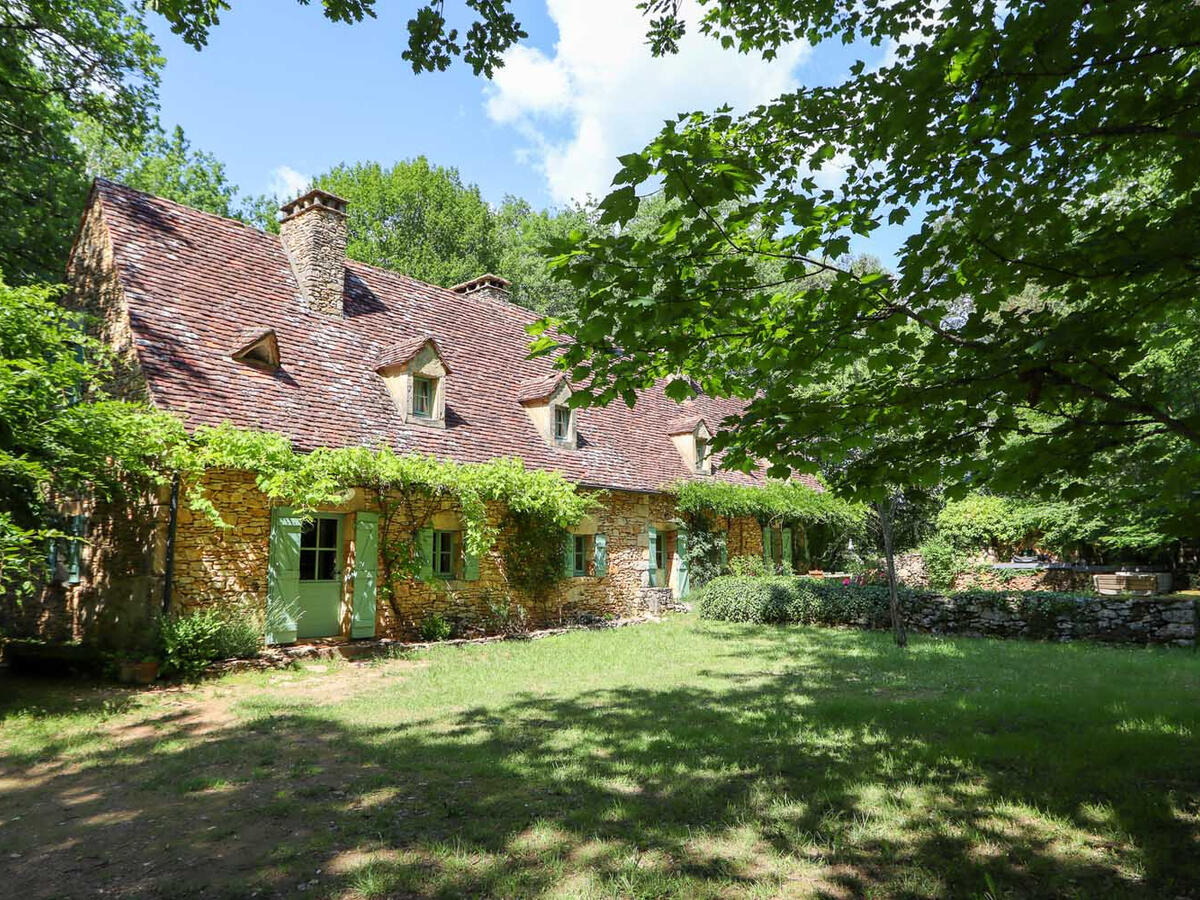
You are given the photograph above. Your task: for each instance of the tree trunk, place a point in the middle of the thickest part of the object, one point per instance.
(884, 508)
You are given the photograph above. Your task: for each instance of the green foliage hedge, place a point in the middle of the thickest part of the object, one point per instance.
(810, 601)
(800, 601)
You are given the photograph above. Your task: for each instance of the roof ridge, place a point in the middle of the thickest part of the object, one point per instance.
(100, 179)
(506, 304)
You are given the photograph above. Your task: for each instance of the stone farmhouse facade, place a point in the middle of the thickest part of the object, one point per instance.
(218, 322)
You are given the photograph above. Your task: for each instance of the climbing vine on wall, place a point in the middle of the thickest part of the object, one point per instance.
(827, 521)
(407, 489)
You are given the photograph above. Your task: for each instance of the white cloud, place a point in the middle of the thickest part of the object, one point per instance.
(287, 184)
(602, 93)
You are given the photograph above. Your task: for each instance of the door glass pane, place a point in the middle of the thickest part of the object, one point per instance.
(308, 533)
(328, 533)
(326, 565)
(308, 564)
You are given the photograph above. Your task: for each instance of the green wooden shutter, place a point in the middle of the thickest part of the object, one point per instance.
(366, 569)
(470, 563)
(681, 544)
(283, 576)
(569, 556)
(652, 572)
(600, 555)
(767, 559)
(787, 551)
(425, 553)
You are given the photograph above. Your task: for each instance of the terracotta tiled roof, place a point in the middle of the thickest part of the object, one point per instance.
(196, 282)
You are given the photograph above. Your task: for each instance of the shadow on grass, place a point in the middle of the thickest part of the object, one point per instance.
(833, 767)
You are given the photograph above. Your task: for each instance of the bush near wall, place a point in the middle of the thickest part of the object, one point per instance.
(1043, 615)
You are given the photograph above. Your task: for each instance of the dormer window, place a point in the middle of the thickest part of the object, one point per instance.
(415, 374)
(259, 347)
(423, 391)
(693, 440)
(546, 401)
(562, 423)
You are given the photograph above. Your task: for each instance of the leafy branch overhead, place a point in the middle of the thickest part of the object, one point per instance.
(1031, 334)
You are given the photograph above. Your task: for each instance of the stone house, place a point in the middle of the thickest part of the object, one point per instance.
(218, 322)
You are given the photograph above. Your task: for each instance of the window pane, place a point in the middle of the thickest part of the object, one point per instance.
(422, 396)
(308, 534)
(326, 565)
(443, 552)
(328, 533)
(308, 565)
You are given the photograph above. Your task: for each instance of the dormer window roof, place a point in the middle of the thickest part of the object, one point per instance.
(259, 346)
(540, 389)
(415, 373)
(401, 353)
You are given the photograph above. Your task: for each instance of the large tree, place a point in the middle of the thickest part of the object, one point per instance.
(61, 436)
(416, 218)
(1031, 333)
(59, 61)
(161, 164)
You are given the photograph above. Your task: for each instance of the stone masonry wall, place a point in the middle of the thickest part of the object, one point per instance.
(214, 564)
(910, 570)
(1164, 619)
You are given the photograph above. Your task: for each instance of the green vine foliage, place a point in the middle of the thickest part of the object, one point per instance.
(407, 489)
(776, 502)
(533, 551)
(706, 549)
(827, 521)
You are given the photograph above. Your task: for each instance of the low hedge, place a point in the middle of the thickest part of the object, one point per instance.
(800, 601)
(811, 601)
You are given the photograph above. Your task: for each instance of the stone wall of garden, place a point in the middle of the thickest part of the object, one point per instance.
(910, 570)
(1168, 619)
(1164, 619)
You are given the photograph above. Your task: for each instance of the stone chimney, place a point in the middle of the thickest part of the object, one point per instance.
(313, 231)
(491, 286)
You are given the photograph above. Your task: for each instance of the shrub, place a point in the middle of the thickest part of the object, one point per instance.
(192, 640)
(435, 627)
(747, 566)
(806, 601)
(942, 562)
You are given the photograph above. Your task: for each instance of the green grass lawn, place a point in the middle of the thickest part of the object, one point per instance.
(681, 759)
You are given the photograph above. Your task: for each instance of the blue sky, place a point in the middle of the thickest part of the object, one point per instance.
(280, 94)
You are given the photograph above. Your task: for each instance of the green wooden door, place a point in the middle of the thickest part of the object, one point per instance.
(682, 582)
(366, 568)
(320, 577)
